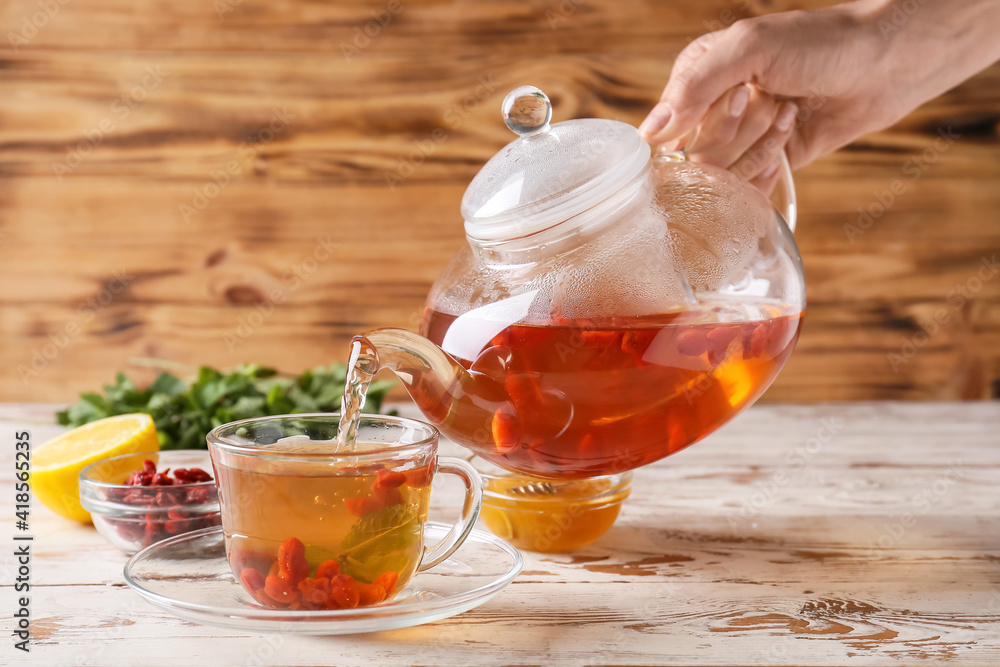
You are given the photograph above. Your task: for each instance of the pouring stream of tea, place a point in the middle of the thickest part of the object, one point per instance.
(361, 368)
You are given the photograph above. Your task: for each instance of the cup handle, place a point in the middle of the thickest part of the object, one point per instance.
(470, 512)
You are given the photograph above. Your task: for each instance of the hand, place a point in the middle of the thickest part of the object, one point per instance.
(849, 69)
(745, 131)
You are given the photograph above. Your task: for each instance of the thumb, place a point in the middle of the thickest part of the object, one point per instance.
(704, 70)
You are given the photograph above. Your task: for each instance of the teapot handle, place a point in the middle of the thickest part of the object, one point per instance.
(783, 196)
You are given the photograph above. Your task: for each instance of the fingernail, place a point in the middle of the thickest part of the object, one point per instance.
(786, 117)
(656, 120)
(769, 172)
(739, 101)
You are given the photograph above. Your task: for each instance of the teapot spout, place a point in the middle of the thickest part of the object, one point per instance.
(461, 403)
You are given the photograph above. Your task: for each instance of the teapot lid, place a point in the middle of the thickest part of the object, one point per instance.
(550, 173)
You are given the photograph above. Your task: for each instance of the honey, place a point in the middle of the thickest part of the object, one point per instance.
(550, 516)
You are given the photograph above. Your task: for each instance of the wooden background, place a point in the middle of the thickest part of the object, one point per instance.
(115, 114)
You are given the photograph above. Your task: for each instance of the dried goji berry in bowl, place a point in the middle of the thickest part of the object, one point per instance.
(138, 499)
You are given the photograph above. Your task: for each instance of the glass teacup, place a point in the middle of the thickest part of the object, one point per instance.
(307, 527)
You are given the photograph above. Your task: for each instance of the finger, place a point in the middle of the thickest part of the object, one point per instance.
(662, 113)
(767, 179)
(767, 149)
(798, 149)
(756, 122)
(705, 69)
(722, 122)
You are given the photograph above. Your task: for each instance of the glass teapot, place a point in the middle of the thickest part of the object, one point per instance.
(610, 308)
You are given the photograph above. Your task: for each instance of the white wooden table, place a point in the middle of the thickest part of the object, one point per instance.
(861, 534)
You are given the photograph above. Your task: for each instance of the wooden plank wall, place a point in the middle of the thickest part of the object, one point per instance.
(208, 182)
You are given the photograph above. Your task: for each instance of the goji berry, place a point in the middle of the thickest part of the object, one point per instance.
(151, 530)
(269, 601)
(344, 591)
(241, 559)
(134, 497)
(505, 432)
(162, 479)
(147, 476)
(386, 496)
(420, 477)
(139, 478)
(328, 569)
(388, 581)
(166, 498)
(281, 590)
(292, 563)
(191, 476)
(252, 580)
(758, 341)
(315, 591)
(692, 342)
(390, 478)
(362, 506)
(720, 337)
(370, 594)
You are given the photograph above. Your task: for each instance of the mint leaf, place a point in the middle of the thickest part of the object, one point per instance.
(316, 554)
(84, 412)
(303, 401)
(248, 406)
(168, 385)
(387, 540)
(277, 404)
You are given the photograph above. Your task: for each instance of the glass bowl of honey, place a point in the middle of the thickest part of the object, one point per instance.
(550, 515)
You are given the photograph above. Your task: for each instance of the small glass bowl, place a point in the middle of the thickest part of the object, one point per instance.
(549, 515)
(134, 517)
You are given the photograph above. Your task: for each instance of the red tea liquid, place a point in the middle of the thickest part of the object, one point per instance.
(585, 398)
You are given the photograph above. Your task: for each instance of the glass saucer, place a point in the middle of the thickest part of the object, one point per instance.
(188, 576)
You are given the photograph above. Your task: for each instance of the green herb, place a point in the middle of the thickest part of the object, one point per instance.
(384, 541)
(316, 554)
(185, 414)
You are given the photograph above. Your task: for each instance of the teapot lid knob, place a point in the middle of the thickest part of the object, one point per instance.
(527, 111)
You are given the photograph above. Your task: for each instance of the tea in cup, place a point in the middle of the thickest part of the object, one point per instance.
(309, 527)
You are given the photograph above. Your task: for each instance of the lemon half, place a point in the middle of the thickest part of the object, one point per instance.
(56, 465)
